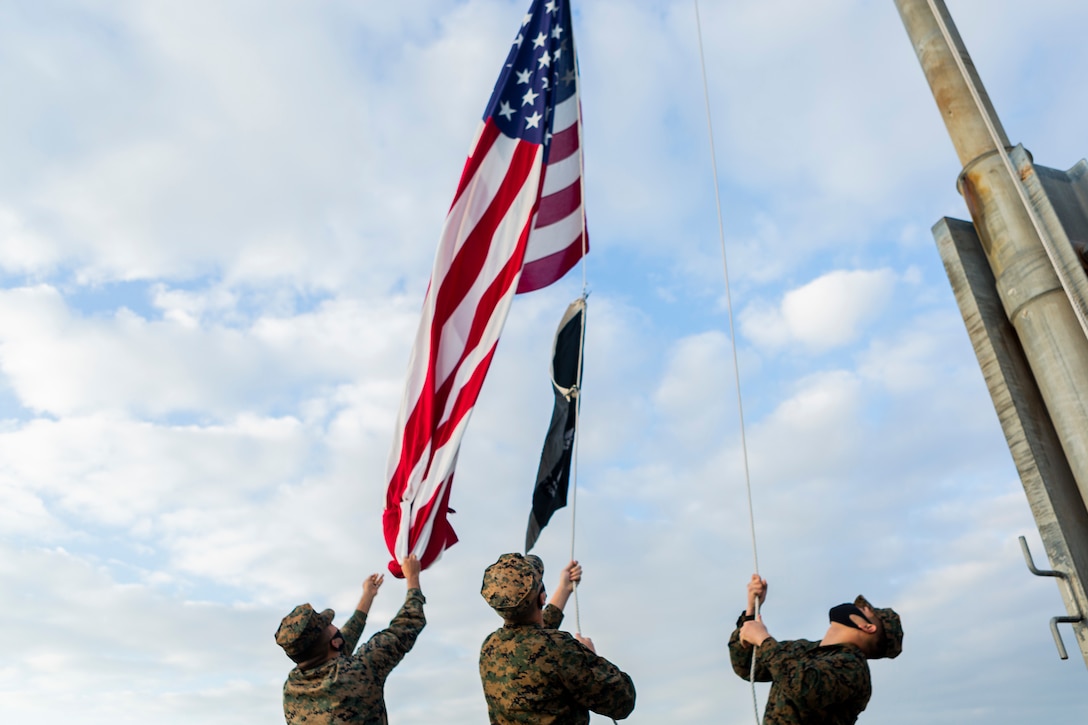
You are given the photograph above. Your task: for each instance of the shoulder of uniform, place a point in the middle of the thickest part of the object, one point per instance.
(787, 647)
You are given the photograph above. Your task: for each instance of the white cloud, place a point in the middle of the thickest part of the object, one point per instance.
(829, 312)
(692, 398)
(910, 360)
(188, 308)
(22, 249)
(105, 471)
(244, 141)
(98, 651)
(62, 362)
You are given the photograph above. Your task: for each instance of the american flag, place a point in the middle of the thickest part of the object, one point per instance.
(515, 225)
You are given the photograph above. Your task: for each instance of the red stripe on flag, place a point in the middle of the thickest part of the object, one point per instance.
(542, 272)
(560, 205)
(564, 144)
(489, 301)
(453, 288)
(479, 152)
(470, 259)
(442, 535)
(437, 507)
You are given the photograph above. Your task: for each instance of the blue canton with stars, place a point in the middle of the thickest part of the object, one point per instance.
(539, 75)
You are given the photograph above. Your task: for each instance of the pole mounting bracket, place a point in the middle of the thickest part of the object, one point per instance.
(1062, 576)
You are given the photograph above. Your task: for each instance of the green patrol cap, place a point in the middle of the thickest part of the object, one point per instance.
(511, 581)
(302, 629)
(891, 641)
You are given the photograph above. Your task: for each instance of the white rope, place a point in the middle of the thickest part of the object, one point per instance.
(1075, 299)
(732, 337)
(582, 341)
(577, 402)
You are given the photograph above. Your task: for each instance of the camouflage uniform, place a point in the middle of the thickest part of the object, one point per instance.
(539, 675)
(349, 688)
(812, 685)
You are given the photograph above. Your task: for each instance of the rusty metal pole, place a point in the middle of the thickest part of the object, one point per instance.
(1045, 333)
(961, 116)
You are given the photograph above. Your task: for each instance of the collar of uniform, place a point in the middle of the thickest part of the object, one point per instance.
(842, 645)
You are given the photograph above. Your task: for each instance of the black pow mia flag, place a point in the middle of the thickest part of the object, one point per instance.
(553, 476)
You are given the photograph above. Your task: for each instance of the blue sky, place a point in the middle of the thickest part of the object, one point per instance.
(217, 220)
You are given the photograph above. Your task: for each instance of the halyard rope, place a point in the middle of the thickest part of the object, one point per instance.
(582, 341)
(732, 336)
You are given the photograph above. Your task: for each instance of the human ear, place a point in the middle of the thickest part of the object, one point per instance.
(864, 626)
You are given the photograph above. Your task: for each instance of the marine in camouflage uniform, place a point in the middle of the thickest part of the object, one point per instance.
(532, 672)
(812, 684)
(816, 683)
(331, 685)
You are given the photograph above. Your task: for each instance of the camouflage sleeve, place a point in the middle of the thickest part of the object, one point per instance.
(818, 684)
(387, 648)
(353, 630)
(740, 656)
(553, 616)
(594, 682)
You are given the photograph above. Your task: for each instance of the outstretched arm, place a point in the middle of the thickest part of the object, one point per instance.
(410, 566)
(371, 585)
(568, 579)
(386, 648)
(353, 628)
